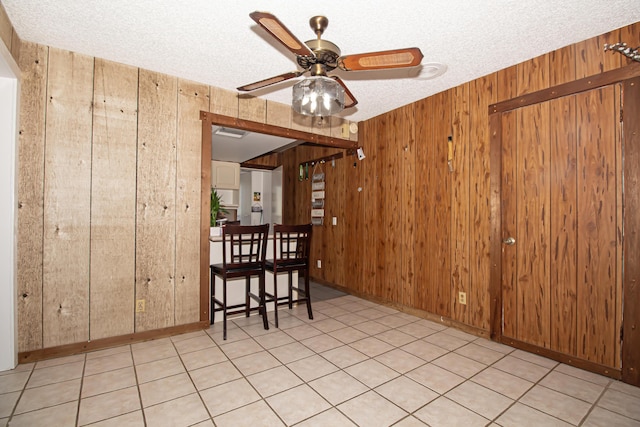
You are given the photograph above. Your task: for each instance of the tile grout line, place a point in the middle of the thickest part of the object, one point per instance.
(84, 368)
(135, 373)
(24, 387)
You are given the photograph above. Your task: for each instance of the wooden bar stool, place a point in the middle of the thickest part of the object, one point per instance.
(244, 249)
(291, 246)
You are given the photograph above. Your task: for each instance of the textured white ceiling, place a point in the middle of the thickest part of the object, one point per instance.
(215, 42)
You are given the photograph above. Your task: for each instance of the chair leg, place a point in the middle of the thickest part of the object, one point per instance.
(213, 295)
(247, 300)
(224, 308)
(275, 297)
(290, 289)
(308, 295)
(263, 307)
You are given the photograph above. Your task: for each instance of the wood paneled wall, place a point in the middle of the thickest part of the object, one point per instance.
(109, 189)
(417, 234)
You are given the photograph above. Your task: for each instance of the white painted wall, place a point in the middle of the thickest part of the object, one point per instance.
(9, 90)
(276, 195)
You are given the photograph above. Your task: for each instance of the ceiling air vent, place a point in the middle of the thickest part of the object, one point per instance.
(232, 133)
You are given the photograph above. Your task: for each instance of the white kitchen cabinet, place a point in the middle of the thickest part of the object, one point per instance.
(225, 175)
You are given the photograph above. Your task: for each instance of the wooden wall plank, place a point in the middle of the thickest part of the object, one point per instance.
(509, 223)
(303, 195)
(380, 205)
(192, 98)
(482, 94)
(620, 266)
(423, 146)
(223, 102)
(16, 45)
(562, 65)
(353, 228)
(321, 125)
(507, 83)
(533, 206)
(610, 60)
(389, 284)
(268, 161)
(370, 207)
(252, 108)
(596, 226)
(113, 199)
(289, 187)
(336, 127)
(631, 36)
(441, 189)
(588, 58)
(156, 204)
(6, 29)
(67, 199)
(278, 114)
(407, 206)
(460, 193)
(302, 123)
(31, 146)
(333, 243)
(533, 75)
(563, 225)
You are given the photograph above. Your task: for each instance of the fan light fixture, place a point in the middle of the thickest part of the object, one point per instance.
(318, 96)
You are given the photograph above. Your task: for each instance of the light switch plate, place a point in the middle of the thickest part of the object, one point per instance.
(344, 130)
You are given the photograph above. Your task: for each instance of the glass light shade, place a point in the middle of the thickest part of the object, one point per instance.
(318, 96)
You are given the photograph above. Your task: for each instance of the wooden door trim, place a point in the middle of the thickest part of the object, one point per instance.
(209, 119)
(631, 233)
(629, 76)
(571, 88)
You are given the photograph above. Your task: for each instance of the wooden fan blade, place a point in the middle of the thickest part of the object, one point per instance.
(349, 99)
(277, 29)
(270, 81)
(397, 58)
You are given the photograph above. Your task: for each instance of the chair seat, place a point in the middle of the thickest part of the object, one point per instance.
(284, 265)
(242, 271)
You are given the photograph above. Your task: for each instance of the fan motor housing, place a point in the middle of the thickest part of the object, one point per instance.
(326, 53)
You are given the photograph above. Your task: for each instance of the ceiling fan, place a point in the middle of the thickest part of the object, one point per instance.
(318, 57)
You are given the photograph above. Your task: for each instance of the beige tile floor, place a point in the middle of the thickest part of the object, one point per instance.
(356, 364)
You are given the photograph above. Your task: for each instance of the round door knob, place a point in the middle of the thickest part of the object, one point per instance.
(509, 241)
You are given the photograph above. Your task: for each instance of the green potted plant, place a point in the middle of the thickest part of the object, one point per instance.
(216, 207)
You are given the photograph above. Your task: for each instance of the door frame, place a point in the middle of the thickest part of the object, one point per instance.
(629, 76)
(210, 119)
(9, 111)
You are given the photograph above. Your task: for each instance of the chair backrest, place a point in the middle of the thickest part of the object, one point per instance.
(247, 245)
(291, 243)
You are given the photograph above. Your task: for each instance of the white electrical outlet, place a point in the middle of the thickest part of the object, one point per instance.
(334, 220)
(462, 298)
(319, 264)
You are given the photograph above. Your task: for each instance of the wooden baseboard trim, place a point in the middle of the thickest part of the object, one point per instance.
(597, 368)
(100, 344)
